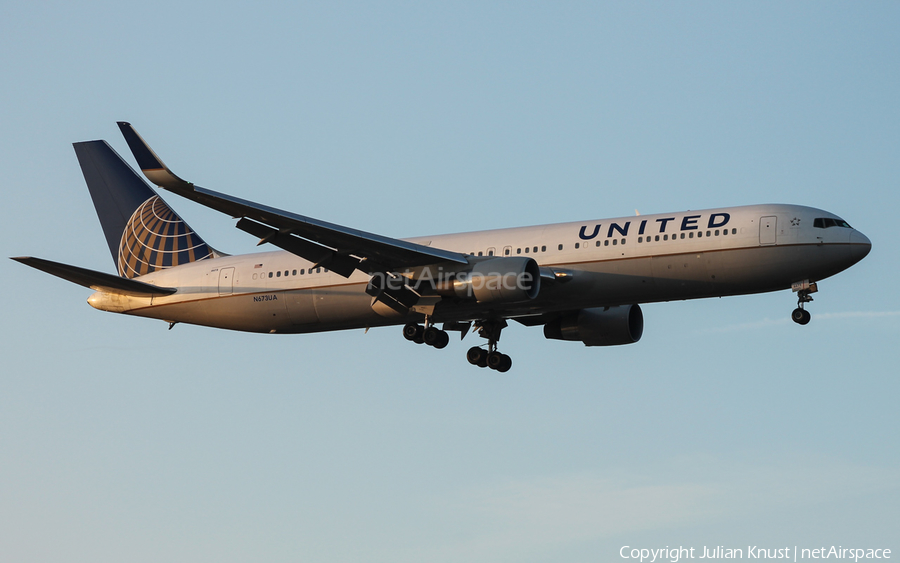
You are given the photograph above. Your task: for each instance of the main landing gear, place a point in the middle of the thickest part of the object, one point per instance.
(800, 315)
(491, 358)
(430, 335)
(477, 355)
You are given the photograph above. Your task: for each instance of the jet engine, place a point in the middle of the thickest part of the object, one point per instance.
(599, 326)
(497, 280)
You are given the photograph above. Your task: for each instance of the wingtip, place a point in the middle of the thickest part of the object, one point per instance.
(146, 158)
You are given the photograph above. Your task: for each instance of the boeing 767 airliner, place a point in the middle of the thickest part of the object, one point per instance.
(581, 281)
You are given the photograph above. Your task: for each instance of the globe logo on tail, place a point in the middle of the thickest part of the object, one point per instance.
(156, 238)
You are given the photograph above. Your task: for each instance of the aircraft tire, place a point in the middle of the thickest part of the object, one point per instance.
(800, 316)
(494, 360)
(476, 355)
(435, 337)
(443, 340)
(410, 330)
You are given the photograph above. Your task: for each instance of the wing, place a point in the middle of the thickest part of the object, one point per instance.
(341, 249)
(97, 281)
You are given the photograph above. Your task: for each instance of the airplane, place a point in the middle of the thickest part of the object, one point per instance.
(581, 281)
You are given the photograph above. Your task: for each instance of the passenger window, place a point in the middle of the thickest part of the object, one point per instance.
(479, 253)
(724, 232)
(543, 249)
(518, 251)
(278, 274)
(598, 243)
(665, 237)
(682, 235)
(615, 242)
(623, 241)
(717, 232)
(734, 231)
(656, 238)
(490, 252)
(560, 247)
(606, 242)
(535, 249)
(302, 270)
(691, 235)
(576, 245)
(506, 252)
(640, 239)
(270, 274)
(526, 250)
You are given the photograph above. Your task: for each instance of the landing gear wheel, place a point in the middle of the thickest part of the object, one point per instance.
(435, 337)
(800, 316)
(499, 362)
(477, 356)
(410, 331)
(443, 340)
(494, 359)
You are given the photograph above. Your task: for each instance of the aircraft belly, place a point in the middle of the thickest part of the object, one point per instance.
(250, 313)
(344, 304)
(301, 307)
(626, 280)
(770, 268)
(681, 274)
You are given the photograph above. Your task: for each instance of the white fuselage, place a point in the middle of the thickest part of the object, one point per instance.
(641, 259)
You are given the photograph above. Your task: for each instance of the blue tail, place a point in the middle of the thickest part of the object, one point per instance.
(143, 233)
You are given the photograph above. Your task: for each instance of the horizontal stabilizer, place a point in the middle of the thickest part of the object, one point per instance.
(98, 281)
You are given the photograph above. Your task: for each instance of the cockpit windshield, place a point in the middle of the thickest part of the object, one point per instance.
(826, 222)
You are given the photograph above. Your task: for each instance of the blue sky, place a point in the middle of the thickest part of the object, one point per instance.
(726, 425)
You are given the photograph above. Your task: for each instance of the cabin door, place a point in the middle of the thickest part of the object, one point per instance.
(767, 229)
(226, 281)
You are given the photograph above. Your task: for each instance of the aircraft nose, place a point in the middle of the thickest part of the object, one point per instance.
(860, 245)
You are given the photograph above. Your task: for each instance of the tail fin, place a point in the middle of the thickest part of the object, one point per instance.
(143, 233)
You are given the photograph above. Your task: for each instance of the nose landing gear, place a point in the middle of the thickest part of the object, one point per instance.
(800, 315)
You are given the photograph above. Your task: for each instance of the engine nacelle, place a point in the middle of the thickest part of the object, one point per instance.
(599, 326)
(498, 280)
